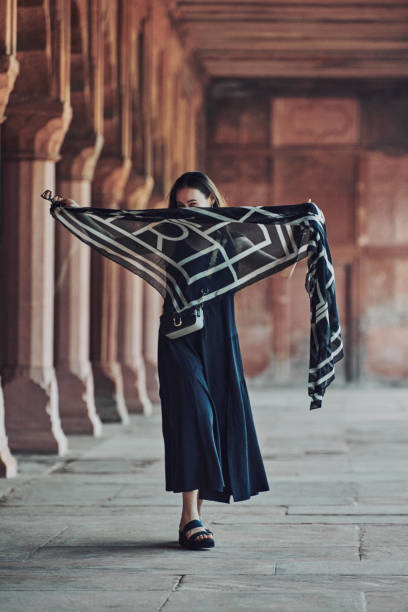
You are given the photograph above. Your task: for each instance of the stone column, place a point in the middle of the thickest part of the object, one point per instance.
(130, 343)
(31, 141)
(152, 308)
(38, 116)
(8, 463)
(131, 332)
(9, 67)
(72, 313)
(110, 179)
(111, 176)
(80, 152)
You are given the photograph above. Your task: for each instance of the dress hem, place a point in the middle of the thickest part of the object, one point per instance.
(213, 497)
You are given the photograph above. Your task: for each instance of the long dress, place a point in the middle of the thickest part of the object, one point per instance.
(210, 441)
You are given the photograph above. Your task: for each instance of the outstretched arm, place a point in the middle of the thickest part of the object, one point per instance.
(47, 195)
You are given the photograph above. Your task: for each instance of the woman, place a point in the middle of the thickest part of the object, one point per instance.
(210, 442)
(211, 447)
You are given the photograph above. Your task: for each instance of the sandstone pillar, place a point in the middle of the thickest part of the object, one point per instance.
(72, 323)
(80, 152)
(31, 141)
(8, 71)
(110, 179)
(9, 65)
(38, 116)
(111, 176)
(152, 308)
(131, 332)
(130, 344)
(8, 463)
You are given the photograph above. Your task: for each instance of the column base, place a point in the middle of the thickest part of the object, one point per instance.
(8, 463)
(109, 396)
(152, 381)
(32, 419)
(134, 384)
(77, 402)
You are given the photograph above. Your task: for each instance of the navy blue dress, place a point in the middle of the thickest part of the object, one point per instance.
(210, 441)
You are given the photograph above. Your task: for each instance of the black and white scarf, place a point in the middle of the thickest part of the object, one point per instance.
(196, 254)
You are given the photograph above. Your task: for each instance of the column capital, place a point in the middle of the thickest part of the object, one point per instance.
(80, 155)
(138, 191)
(110, 179)
(36, 130)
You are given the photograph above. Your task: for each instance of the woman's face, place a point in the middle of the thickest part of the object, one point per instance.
(193, 197)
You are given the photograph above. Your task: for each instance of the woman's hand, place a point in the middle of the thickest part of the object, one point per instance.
(57, 199)
(64, 201)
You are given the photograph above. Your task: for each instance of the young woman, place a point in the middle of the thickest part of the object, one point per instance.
(210, 442)
(211, 447)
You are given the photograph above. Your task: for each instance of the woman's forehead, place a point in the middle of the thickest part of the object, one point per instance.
(188, 193)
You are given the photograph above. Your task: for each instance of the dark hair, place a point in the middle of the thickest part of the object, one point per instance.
(196, 180)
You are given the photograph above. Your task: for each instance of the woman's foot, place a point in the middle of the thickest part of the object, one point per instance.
(198, 540)
(190, 512)
(190, 532)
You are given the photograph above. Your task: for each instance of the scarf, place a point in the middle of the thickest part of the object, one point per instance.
(192, 255)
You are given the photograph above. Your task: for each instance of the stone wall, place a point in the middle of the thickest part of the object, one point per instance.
(345, 145)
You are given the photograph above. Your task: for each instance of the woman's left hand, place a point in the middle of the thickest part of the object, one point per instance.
(64, 201)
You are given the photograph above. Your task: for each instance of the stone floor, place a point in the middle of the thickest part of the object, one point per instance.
(95, 530)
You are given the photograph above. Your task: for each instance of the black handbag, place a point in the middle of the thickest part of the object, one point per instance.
(177, 324)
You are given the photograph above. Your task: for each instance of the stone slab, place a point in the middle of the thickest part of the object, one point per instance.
(302, 583)
(341, 568)
(279, 601)
(53, 579)
(82, 601)
(366, 509)
(395, 602)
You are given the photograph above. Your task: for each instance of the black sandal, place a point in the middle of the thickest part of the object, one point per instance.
(192, 543)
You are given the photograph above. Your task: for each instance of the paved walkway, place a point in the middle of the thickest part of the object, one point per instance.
(96, 530)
